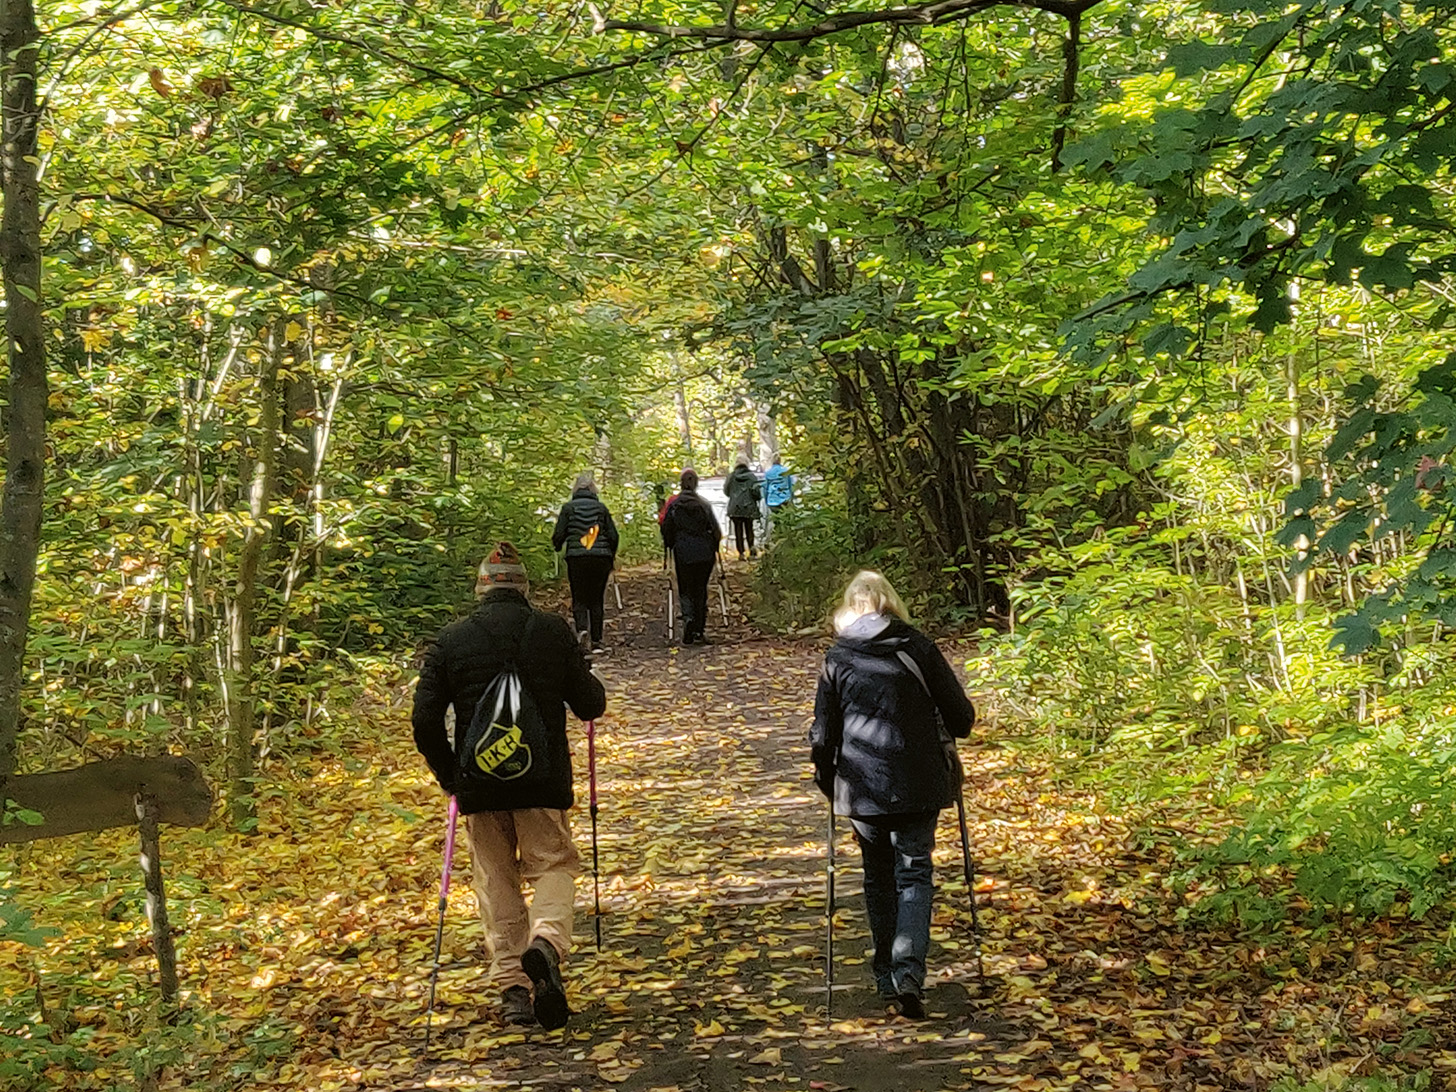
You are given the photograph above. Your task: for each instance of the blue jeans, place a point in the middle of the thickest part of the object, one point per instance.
(899, 883)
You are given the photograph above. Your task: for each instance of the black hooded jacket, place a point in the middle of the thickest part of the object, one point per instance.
(743, 493)
(877, 737)
(578, 516)
(690, 529)
(468, 655)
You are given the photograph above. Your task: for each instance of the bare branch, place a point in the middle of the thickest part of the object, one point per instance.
(937, 11)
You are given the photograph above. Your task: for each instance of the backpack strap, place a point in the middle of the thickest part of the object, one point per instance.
(946, 740)
(914, 667)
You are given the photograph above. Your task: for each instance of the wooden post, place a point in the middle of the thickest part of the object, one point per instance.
(147, 813)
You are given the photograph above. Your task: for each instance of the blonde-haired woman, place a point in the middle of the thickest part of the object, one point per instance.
(886, 699)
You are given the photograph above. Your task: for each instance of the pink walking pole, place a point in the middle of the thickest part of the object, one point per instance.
(454, 814)
(591, 763)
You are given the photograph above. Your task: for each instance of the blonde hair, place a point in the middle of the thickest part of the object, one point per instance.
(868, 593)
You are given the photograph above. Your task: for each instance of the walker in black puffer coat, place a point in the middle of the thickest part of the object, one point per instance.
(578, 516)
(877, 737)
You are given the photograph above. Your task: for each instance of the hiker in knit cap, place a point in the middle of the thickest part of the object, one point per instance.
(517, 828)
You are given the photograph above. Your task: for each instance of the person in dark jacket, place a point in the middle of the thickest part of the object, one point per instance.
(744, 493)
(586, 529)
(516, 836)
(691, 531)
(886, 700)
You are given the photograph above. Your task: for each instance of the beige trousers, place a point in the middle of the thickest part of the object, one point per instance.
(511, 848)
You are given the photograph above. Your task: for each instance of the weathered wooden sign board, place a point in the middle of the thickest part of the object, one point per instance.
(117, 792)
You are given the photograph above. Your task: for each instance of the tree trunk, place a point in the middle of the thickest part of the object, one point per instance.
(241, 682)
(25, 417)
(1296, 459)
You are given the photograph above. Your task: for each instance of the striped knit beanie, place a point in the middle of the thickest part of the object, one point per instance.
(501, 568)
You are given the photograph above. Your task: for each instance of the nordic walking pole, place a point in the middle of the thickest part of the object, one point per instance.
(591, 765)
(970, 881)
(722, 583)
(454, 814)
(829, 922)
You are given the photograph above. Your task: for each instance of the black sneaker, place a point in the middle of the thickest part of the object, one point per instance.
(909, 1004)
(599, 650)
(515, 1006)
(548, 1000)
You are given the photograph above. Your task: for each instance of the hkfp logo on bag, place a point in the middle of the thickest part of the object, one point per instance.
(501, 751)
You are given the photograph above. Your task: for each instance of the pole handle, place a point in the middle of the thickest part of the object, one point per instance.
(453, 815)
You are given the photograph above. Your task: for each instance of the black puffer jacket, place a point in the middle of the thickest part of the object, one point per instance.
(461, 663)
(578, 516)
(877, 739)
(690, 529)
(743, 493)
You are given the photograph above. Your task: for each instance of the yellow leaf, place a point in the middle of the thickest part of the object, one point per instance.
(1159, 967)
(292, 332)
(771, 1056)
(710, 1030)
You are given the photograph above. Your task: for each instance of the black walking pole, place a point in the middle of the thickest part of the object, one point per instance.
(829, 923)
(970, 880)
(591, 763)
(454, 813)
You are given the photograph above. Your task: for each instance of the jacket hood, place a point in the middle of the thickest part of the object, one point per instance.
(743, 472)
(877, 635)
(584, 491)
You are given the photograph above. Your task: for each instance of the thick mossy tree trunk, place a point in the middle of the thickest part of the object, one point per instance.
(25, 416)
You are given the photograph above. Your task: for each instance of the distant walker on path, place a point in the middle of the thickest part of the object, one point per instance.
(778, 493)
(586, 529)
(744, 493)
(514, 795)
(690, 530)
(886, 700)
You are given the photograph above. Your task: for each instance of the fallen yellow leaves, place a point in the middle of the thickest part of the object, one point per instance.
(311, 943)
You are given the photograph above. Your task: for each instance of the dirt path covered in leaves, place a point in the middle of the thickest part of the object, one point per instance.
(306, 949)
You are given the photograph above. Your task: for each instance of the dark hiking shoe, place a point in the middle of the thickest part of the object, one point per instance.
(543, 966)
(515, 1006)
(599, 649)
(910, 1006)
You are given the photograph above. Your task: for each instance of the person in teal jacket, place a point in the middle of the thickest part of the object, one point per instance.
(778, 485)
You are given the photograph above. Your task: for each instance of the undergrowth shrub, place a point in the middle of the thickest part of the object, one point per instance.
(810, 557)
(1165, 687)
(807, 560)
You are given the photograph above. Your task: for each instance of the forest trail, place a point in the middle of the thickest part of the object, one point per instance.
(306, 950)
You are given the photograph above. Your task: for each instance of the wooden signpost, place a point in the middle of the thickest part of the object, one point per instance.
(117, 792)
